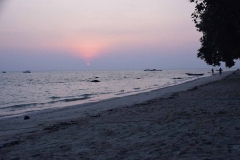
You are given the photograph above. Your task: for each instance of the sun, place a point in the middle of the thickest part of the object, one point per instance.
(88, 64)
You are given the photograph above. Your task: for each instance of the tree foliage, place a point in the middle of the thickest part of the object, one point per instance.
(219, 21)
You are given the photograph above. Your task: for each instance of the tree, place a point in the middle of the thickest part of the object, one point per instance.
(219, 21)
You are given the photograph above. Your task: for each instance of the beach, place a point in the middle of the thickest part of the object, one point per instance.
(194, 120)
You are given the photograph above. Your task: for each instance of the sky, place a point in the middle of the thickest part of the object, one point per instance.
(98, 35)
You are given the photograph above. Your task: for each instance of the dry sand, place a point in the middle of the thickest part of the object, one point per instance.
(196, 120)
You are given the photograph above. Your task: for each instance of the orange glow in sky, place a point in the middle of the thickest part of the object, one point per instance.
(88, 50)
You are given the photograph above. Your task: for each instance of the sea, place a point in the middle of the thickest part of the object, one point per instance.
(21, 93)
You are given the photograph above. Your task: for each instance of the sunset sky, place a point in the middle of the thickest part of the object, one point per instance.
(97, 35)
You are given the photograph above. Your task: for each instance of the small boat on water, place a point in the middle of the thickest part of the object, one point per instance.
(4, 72)
(194, 74)
(27, 71)
(152, 70)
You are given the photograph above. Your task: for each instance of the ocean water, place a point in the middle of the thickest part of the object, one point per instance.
(27, 92)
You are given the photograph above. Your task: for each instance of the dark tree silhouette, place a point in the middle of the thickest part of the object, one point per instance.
(219, 21)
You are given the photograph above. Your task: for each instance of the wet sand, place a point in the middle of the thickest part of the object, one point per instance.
(190, 121)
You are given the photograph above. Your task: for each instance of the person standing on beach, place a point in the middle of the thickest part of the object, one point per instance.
(212, 71)
(220, 71)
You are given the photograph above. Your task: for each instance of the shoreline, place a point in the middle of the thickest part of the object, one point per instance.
(160, 104)
(91, 108)
(56, 101)
(125, 100)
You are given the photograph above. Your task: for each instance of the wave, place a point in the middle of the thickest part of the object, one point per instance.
(54, 98)
(83, 97)
(21, 105)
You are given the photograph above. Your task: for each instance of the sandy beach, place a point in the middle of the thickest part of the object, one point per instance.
(194, 120)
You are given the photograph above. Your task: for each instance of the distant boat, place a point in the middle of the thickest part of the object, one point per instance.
(152, 70)
(4, 72)
(193, 74)
(27, 71)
